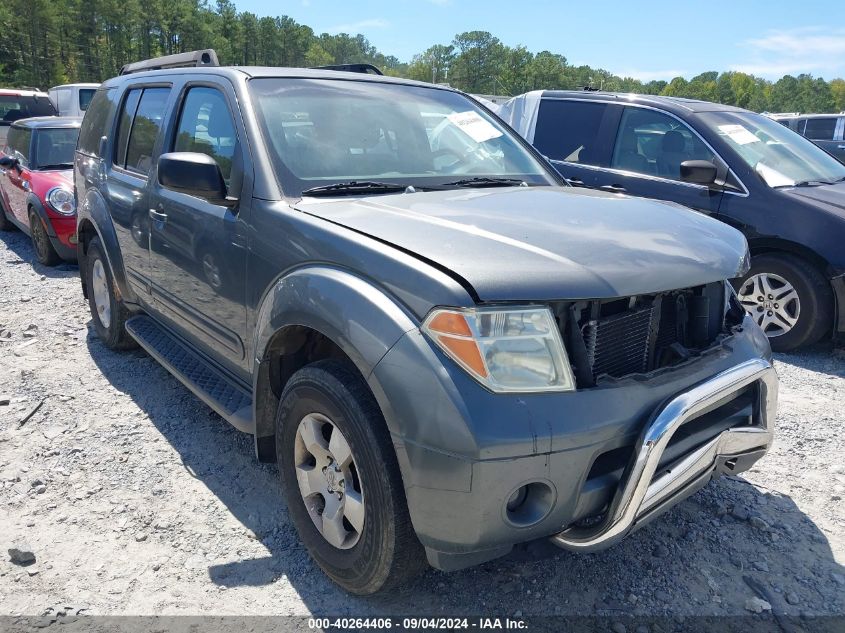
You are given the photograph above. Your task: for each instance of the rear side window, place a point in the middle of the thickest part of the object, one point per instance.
(206, 126)
(85, 96)
(140, 123)
(569, 130)
(96, 122)
(820, 129)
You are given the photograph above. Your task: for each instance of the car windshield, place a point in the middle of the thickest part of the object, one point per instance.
(13, 108)
(781, 157)
(328, 132)
(54, 147)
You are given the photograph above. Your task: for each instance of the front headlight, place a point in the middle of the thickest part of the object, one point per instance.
(505, 349)
(61, 200)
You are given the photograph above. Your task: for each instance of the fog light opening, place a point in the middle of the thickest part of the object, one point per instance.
(529, 504)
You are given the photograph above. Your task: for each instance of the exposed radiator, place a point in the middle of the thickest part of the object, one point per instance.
(618, 345)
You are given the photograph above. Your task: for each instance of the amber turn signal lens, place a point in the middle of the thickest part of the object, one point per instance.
(450, 323)
(466, 351)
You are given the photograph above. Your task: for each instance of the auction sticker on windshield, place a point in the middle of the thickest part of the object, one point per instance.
(739, 134)
(474, 126)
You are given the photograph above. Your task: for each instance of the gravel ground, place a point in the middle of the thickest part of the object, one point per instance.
(136, 499)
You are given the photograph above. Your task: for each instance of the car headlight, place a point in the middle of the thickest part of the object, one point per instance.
(505, 349)
(61, 200)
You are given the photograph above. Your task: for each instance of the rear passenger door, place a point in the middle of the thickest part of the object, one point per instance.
(198, 249)
(139, 125)
(826, 132)
(576, 135)
(647, 151)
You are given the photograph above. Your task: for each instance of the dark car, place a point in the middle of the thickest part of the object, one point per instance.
(36, 185)
(785, 194)
(22, 104)
(825, 130)
(446, 349)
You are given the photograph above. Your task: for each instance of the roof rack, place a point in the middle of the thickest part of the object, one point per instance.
(353, 68)
(193, 59)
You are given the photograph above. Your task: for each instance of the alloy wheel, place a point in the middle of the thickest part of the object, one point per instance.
(100, 286)
(328, 481)
(772, 302)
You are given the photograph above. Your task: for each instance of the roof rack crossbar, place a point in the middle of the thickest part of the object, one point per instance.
(352, 68)
(192, 59)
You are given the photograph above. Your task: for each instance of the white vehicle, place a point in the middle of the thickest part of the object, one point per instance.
(72, 99)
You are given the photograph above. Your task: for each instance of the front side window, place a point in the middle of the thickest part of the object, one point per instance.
(54, 147)
(569, 130)
(322, 132)
(18, 144)
(139, 127)
(206, 126)
(780, 157)
(820, 129)
(85, 96)
(654, 143)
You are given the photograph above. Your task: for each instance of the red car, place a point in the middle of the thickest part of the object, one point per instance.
(36, 185)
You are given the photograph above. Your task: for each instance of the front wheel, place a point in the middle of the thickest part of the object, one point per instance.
(341, 480)
(107, 311)
(788, 298)
(44, 250)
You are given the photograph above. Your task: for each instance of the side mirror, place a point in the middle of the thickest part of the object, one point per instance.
(7, 162)
(195, 174)
(700, 172)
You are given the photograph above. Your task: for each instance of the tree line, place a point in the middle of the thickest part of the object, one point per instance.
(49, 42)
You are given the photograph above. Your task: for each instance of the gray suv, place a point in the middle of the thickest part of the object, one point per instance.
(446, 349)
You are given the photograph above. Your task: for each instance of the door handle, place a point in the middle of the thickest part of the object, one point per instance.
(158, 217)
(575, 182)
(613, 188)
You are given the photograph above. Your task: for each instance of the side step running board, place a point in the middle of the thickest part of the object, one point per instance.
(209, 384)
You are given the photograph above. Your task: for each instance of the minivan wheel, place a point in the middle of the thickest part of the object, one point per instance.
(108, 313)
(44, 250)
(788, 298)
(341, 480)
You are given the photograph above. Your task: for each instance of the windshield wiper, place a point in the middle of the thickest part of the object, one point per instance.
(485, 181)
(57, 166)
(813, 183)
(353, 187)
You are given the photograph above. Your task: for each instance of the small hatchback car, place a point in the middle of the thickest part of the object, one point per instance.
(446, 349)
(36, 185)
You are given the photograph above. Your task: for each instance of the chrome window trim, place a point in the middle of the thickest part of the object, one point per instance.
(742, 194)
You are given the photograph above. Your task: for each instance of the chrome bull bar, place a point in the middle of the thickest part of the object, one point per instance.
(640, 493)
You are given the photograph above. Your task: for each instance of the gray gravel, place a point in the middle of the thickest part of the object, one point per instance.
(136, 499)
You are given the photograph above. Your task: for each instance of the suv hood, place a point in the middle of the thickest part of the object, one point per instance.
(543, 243)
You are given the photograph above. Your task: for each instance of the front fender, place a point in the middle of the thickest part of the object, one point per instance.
(93, 210)
(33, 202)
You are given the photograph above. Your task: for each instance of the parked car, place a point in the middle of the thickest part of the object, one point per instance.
(445, 357)
(825, 130)
(72, 99)
(36, 185)
(21, 104)
(785, 194)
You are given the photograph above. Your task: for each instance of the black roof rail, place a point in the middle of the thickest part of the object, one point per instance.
(193, 59)
(368, 69)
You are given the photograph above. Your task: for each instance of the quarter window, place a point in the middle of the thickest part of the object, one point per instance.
(653, 143)
(206, 126)
(569, 130)
(820, 129)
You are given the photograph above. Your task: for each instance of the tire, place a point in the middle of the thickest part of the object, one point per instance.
(5, 222)
(385, 552)
(45, 252)
(804, 317)
(110, 323)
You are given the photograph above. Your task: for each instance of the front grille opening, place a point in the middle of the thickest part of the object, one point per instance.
(636, 335)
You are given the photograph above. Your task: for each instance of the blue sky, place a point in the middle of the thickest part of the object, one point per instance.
(647, 39)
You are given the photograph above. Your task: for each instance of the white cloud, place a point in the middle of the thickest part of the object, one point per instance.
(817, 50)
(360, 26)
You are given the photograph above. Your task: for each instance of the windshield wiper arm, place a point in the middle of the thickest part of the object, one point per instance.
(353, 187)
(485, 181)
(812, 183)
(57, 166)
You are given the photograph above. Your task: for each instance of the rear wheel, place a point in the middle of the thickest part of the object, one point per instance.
(107, 311)
(341, 480)
(788, 298)
(44, 250)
